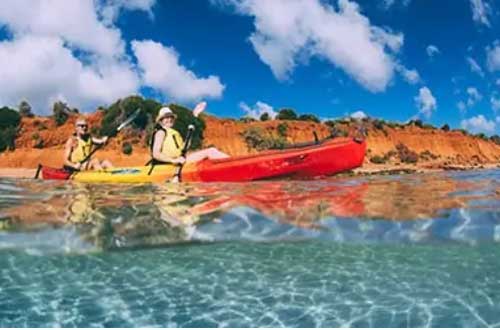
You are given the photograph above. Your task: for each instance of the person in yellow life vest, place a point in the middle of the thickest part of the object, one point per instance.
(79, 146)
(167, 143)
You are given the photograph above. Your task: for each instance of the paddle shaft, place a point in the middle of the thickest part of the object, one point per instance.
(189, 137)
(120, 127)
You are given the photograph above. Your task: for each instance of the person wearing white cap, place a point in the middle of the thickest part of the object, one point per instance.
(167, 143)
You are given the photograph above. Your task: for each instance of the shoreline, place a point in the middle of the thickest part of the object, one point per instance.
(29, 173)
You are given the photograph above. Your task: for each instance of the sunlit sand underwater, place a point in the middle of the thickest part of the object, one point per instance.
(388, 251)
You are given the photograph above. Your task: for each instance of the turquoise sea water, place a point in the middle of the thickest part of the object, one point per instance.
(397, 251)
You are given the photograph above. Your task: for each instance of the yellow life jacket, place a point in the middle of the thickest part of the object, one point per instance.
(172, 143)
(82, 150)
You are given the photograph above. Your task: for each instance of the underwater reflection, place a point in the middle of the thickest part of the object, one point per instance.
(117, 216)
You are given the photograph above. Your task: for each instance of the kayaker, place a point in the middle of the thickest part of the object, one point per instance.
(79, 146)
(167, 143)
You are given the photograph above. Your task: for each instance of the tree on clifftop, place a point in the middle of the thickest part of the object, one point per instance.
(309, 117)
(264, 116)
(25, 109)
(286, 114)
(9, 123)
(62, 112)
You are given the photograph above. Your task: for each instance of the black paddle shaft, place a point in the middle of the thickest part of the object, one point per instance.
(117, 130)
(189, 137)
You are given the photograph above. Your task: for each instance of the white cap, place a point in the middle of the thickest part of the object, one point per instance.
(165, 112)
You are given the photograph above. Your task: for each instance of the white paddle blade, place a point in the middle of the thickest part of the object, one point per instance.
(129, 120)
(200, 107)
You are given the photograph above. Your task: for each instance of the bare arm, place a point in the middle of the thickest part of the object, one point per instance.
(68, 148)
(102, 140)
(158, 142)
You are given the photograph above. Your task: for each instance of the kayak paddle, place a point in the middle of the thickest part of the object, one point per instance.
(178, 170)
(199, 108)
(118, 129)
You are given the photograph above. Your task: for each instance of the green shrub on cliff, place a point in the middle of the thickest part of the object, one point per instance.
(62, 112)
(25, 109)
(264, 117)
(495, 139)
(309, 117)
(255, 138)
(120, 110)
(406, 155)
(286, 114)
(9, 124)
(282, 129)
(127, 148)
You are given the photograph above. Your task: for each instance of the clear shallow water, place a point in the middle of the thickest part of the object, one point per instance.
(383, 251)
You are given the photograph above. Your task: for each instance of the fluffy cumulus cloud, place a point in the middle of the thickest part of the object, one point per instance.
(478, 124)
(462, 106)
(258, 110)
(389, 3)
(161, 70)
(66, 50)
(473, 96)
(42, 70)
(493, 57)
(75, 22)
(495, 103)
(289, 31)
(358, 115)
(411, 76)
(39, 61)
(432, 51)
(426, 102)
(481, 11)
(474, 66)
(110, 9)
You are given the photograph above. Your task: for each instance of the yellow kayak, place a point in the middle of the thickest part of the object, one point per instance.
(326, 158)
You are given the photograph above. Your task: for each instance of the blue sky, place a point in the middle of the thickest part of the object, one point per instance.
(336, 58)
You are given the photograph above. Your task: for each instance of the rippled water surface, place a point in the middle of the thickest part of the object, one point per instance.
(413, 250)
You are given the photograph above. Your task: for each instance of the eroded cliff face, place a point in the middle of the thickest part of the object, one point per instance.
(452, 147)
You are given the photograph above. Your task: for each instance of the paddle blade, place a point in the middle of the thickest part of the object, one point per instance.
(200, 107)
(129, 120)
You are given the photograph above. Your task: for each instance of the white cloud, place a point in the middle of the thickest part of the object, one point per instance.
(493, 57)
(480, 11)
(462, 106)
(42, 70)
(389, 3)
(258, 110)
(475, 67)
(75, 22)
(495, 103)
(411, 76)
(432, 51)
(110, 9)
(473, 96)
(160, 69)
(478, 124)
(426, 102)
(71, 51)
(358, 115)
(288, 31)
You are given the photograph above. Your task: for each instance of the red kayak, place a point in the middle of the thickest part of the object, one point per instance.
(315, 160)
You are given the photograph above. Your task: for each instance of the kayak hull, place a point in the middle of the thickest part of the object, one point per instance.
(328, 158)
